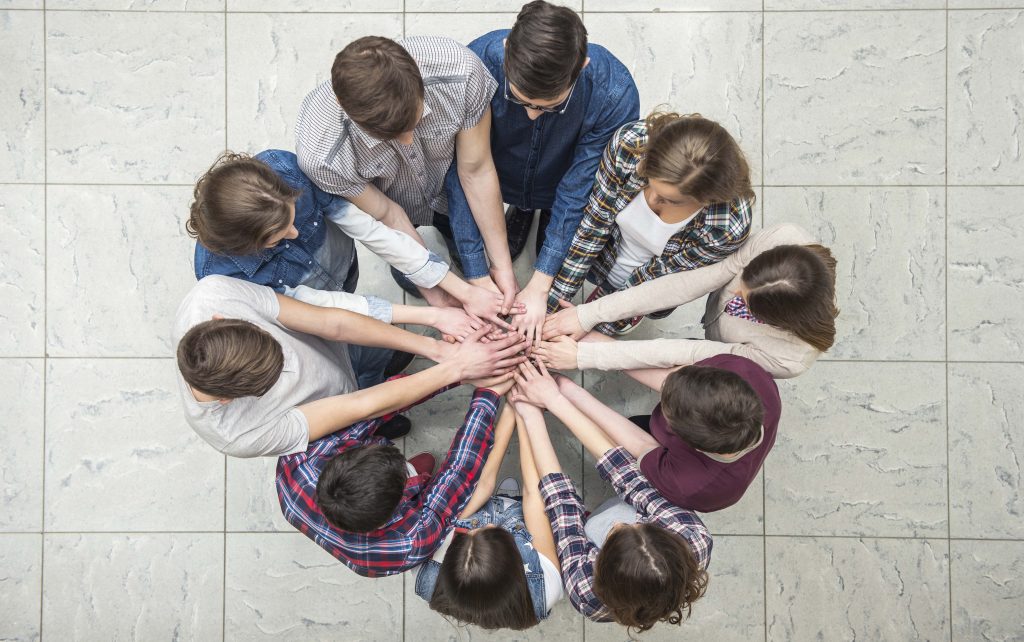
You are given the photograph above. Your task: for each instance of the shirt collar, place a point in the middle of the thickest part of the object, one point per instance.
(736, 456)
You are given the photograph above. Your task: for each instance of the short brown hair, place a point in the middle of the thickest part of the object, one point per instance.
(645, 574)
(230, 358)
(379, 86)
(240, 203)
(545, 51)
(359, 489)
(793, 287)
(697, 156)
(712, 409)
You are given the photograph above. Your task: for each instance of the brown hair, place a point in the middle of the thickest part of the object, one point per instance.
(240, 203)
(545, 51)
(696, 155)
(793, 287)
(230, 358)
(712, 409)
(645, 574)
(359, 489)
(379, 86)
(482, 582)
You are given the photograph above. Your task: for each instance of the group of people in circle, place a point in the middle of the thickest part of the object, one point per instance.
(279, 356)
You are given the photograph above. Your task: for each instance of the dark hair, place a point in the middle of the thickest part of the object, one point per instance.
(793, 287)
(545, 51)
(695, 155)
(379, 86)
(712, 409)
(482, 582)
(230, 358)
(240, 203)
(359, 489)
(645, 574)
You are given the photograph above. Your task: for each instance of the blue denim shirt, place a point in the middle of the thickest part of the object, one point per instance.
(550, 162)
(291, 262)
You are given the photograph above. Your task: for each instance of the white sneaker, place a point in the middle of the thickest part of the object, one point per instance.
(509, 487)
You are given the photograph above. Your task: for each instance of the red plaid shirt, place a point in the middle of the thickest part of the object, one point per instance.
(428, 507)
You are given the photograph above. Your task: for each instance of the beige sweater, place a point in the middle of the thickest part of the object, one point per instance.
(779, 352)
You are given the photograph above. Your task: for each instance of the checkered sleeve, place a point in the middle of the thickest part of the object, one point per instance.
(576, 553)
(621, 470)
(480, 88)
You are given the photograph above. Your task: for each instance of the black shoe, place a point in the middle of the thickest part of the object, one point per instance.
(399, 362)
(406, 285)
(394, 428)
(661, 314)
(542, 229)
(518, 223)
(644, 421)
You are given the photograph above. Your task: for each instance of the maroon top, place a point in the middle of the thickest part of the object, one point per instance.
(690, 479)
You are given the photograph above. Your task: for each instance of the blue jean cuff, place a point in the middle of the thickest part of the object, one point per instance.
(379, 308)
(474, 265)
(549, 260)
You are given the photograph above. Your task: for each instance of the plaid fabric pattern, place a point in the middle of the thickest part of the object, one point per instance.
(737, 307)
(578, 554)
(714, 233)
(341, 158)
(426, 511)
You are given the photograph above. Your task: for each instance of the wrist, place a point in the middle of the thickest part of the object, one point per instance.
(433, 350)
(540, 282)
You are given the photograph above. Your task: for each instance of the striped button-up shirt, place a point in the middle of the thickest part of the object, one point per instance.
(342, 159)
(578, 555)
(423, 517)
(714, 233)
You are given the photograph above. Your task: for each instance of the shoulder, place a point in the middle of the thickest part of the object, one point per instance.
(439, 57)
(285, 164)
(632, 134)
(490, 47)
(608, 69)
(758, 378)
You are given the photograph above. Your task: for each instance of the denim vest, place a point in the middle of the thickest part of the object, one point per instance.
(507, 514)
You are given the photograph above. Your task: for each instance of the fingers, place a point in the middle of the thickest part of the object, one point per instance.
(479, 333)
(497, 321)
(543, 368)
(509, 363)
(562, 303)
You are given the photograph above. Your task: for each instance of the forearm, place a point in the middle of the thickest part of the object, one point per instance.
(414, 314)
(488, 480)
(544, 457)
(588, 432)
(484, 196)
(617, 428)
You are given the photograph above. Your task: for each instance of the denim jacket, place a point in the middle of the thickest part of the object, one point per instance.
(550, 162)
(292, 261)
(507, 514)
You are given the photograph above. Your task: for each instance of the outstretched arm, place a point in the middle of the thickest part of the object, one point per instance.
(488, 480)
(618, 428)
(533, 504)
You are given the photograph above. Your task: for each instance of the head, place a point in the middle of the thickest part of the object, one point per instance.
(359, 489)
(645, 574)
(793, 287)
(230, 359)
(379, 86)
(712, 409)
(241, 206)
(482, 582)
(544, 55)
(691, 157)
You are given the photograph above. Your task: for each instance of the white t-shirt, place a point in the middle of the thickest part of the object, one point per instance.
(643, 237)
(613, 511)
(271, 424)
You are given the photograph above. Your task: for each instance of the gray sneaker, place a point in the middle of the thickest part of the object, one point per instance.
(509, 487)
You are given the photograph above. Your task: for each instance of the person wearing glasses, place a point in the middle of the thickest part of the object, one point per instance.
(559, 101)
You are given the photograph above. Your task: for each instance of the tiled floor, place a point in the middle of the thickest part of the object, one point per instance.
(892, 507)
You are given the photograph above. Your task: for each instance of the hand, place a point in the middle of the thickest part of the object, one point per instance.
(529, 413)
(565, 322)
(536, 386)
(475, 359)
(558, 354)
(483, 299)
(531, 323)
(500, 384)
(505, 281)
(455, 323)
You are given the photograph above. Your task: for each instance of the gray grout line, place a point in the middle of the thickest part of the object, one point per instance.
(945, 272)
(42, 468)
(764, 475)
(456, 13)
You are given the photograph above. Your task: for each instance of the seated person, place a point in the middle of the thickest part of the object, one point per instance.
(773, 302)
(498, 569)
(352, 492)
(264, 374)
(260, 219)
(638, 560)
(708, 437)
(672, 194)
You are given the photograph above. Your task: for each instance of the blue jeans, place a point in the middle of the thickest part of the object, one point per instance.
(369, 364)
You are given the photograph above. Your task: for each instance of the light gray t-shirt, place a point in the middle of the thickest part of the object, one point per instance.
(271, 424)
(608, 514)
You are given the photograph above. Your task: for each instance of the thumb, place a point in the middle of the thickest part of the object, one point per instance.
(565, 304)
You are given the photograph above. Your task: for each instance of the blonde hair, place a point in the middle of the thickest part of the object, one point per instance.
(696, 155)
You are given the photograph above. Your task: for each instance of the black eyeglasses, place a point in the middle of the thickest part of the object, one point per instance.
(554, 109)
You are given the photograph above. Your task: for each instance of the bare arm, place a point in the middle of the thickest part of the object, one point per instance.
(375, 203)
(533, 504)
(488, 479)
(618, 428)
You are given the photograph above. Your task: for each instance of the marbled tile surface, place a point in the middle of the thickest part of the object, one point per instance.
(119, 455)
(460, 6)
(23, 256)
(840, 5)
(138, 5)
(988, 590)
(20, 585)
(465, 31)
(986, 100)
(21, 138)
(713, 78)
(986, 445)
(889, 244)
(860, 451)
(326, 601)
(140, 587)
(126, 103)
(853, 589)
(120, 301)
(252, 503)
(854, 98)
(986, 274)
(21, 445)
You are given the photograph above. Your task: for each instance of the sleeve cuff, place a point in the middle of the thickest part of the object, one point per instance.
(587, 316)
(474, 265)
(379, 309)
(432, 272)
(585, 357)
(554, 485)
(614, 462)
(549, 260)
